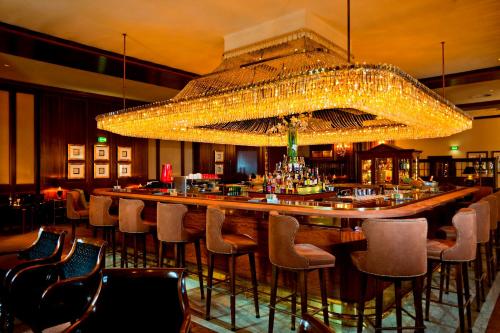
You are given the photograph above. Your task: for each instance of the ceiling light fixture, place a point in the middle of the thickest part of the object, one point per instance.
(297, 73)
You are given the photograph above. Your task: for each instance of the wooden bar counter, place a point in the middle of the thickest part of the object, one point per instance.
(328, 224)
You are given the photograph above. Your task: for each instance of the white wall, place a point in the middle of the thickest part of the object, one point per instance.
(484, 136)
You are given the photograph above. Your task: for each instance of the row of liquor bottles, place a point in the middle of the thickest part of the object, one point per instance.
(290, 175)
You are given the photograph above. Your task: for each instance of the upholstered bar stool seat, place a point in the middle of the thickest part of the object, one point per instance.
(101, 219)
(436, 246)
(284, 254)
(240, 243)
(396, 251)
(457, 253)
(231, 246)
(171, 230)
(132, 225)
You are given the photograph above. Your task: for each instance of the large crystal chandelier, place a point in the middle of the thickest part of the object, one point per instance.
(299, 73)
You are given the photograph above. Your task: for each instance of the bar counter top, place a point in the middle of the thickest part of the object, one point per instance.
(338, 207)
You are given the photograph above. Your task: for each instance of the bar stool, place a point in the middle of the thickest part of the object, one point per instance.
(497, 234)
(396, 251)
(171, 230)
(131, 224)
(230, 246)
(458, 253)
(74, 212)
(284, 254)
(492, 200)
(101, 219)
(482, 209)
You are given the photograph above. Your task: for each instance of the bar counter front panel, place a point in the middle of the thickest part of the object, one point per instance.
(326, 224)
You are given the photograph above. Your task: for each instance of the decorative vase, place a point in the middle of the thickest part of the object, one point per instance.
(166, 173)
(292, 149)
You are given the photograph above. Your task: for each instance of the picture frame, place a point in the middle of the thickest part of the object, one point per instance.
(101, 152)
(124, 154)
(76, 152)
(496, 154)
(219, 169)
(477, 154)
(124, 170)
(219, 156)
(101, 170)
(76, 171)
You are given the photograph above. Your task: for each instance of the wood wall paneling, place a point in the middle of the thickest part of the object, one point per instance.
(25, 138)
(65, 117)
(4, 138)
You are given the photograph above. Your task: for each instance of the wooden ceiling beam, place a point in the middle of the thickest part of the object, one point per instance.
(42, 47)
(455, 79)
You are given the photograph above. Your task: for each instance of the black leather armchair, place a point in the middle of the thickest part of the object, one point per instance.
(138, 300)
(47, 248)
(48, 295)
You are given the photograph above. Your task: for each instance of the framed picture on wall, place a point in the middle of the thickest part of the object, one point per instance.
(219, 169)
(496, 154)
(101, 152)
(76, 171)
(76, 152)
(124, 154)
(477, 154)
(124, 170)
(101, 170)
(219, 156)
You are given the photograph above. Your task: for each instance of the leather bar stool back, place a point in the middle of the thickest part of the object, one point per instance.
(74, 212)
(482, 209)
(231, 246)
(457, 253)
(171, 230)
(284, 254)
(497, 233)
(101, 219)
(494, 203)
(396, 251)
(131, 224)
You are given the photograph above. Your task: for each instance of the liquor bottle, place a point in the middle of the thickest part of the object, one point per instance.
(269, 184)
(264, 184)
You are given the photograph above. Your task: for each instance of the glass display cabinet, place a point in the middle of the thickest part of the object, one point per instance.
(387, 164)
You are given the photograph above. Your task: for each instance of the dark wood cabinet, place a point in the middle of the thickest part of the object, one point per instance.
(386, 164)
(449, 170)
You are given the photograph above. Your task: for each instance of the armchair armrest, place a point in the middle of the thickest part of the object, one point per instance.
(33, 279)
(68, 299)
(35, 262)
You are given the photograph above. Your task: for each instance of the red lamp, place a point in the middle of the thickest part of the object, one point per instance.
(166, 173)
